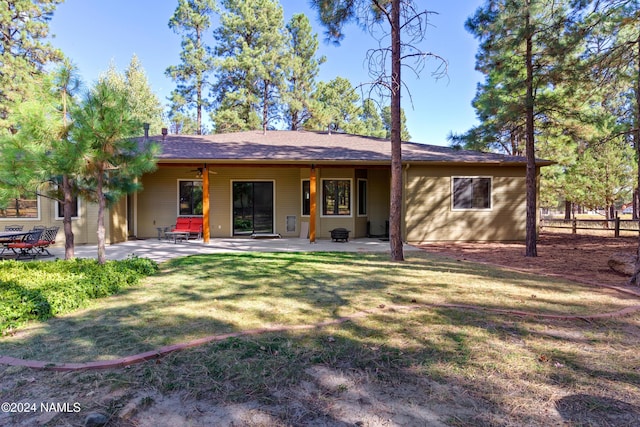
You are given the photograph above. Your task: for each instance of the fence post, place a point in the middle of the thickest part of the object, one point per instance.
(617, 232)
(574, 226)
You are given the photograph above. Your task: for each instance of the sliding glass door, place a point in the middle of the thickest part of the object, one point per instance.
(252, 207)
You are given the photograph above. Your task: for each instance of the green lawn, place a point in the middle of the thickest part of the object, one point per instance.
(508, 366)
(213, 294)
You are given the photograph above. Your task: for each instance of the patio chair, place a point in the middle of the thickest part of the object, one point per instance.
(13, 228)
(195, 227)
(190, 226)
(25, 248)
(47, 239)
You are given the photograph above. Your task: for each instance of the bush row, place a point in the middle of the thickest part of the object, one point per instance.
(40, 290)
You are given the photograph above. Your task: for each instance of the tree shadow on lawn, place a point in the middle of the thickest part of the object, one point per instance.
(593, 410)
(421, 367)
(138, 320)
(594, 364)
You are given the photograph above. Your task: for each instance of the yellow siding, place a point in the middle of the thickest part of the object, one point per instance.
(430, 217)
(117, 224)
(379, 199)
(47, 208)
(157, 203)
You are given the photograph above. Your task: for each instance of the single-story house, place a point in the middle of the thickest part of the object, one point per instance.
(304, 184)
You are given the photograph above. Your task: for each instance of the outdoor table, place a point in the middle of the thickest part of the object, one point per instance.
(7, 237)
(177, 235)
(161, 231)
(11, 236)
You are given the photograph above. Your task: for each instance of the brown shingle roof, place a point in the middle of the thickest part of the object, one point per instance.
(305, 146)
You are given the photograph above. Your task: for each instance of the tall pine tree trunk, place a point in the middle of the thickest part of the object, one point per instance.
(102, 252)
(395, 213)
(532, 200)
(265, 107)
(67, 203)
(199, 84)
(635, 279)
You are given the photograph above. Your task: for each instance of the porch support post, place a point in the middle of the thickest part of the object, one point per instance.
(312, 205)
(206, 233)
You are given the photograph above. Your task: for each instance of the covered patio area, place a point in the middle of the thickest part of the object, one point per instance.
(162, 250)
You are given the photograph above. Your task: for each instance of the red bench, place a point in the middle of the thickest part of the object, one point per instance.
(189, 224)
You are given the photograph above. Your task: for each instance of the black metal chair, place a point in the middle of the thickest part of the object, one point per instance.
(27, 247)
(47, 239)
(13, 228)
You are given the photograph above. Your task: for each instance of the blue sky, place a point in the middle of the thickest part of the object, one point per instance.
(94, 33)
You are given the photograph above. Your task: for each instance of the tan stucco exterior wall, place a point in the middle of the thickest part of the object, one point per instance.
(157, 203)
(379, 183)
(84, 226)
(117, 224)
(428, 212)
(431, 217)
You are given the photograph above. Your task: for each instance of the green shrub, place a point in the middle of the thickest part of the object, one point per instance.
(40, 290)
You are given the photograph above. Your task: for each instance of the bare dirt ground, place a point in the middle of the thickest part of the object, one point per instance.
(580, 258)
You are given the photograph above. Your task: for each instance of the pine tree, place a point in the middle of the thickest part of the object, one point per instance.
(250, 65)
(372, 124)
(192, 18)
(301, 71)
(336, 107)
(144, 104)
(614, 45)
(24, 53)
(525, 48)
(386, 123)
(113, 161)
(40, 158)
(403, 29)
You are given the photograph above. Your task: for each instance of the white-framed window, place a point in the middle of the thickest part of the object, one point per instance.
(336, 197)
(189, 197)
(24, 207)
(362, 197)
(75, 210)
(471, 193)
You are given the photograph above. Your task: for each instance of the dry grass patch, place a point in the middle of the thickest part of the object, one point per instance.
(198, 296)
(428, 366)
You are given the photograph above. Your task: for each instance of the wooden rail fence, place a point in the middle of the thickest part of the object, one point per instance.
(616, 224)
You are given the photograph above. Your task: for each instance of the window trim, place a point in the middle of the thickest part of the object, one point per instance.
(366, 198)
(58, 214)
(178, 214)
(472, 209)
(21, 218)
(350, 215)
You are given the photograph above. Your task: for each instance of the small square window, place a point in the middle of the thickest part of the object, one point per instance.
(336, 197)
(75, 209)
(471, 193)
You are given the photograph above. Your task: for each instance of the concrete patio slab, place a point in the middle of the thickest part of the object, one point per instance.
(162, 250)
